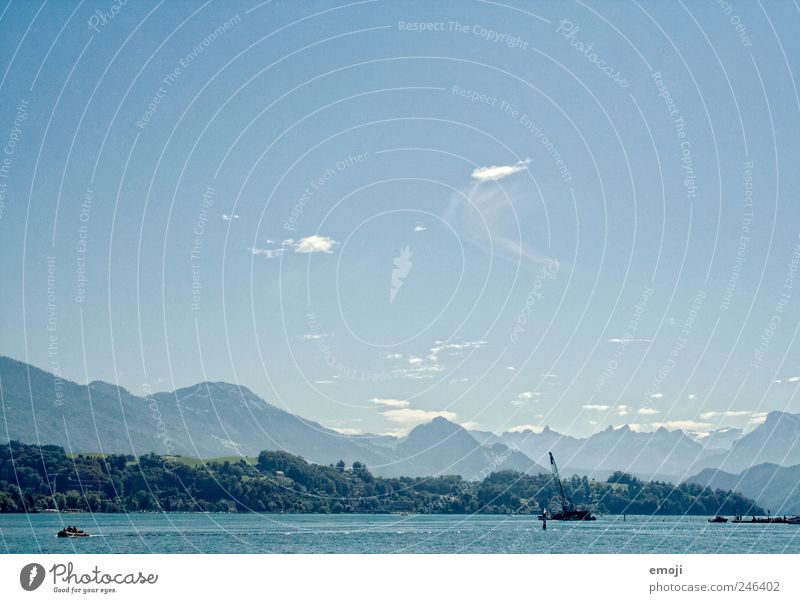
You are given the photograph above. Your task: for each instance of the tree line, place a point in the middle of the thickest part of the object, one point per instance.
(37, 478)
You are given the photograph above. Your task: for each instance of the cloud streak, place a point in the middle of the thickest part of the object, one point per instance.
(498, 172)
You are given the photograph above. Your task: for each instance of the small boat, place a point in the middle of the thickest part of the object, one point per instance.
(718, 519)
(71, 532)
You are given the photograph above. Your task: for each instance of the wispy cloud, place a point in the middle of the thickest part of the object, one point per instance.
(268, 253)
(392, 402)
(525, 427)
(498, 172)
(757, 418)
(648, 411)
(656, 396)
(423, 367)
(324, 382)
(628, 340)
(347, 430)
(312, 244)
(525, 397)
(600, 407)
(420, 228)
(230, 217)
(712, 414)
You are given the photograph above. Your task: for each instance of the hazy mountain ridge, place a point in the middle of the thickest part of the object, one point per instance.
(211, 420)
(774, 487)
(214, 419)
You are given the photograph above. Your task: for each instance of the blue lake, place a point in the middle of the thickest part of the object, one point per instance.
(252, 533)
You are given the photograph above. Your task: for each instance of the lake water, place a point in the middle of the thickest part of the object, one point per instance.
(252, 533)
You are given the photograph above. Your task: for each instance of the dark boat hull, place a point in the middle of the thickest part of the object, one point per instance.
(570, 516)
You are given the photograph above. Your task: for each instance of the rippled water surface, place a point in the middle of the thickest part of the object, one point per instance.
(202, 533)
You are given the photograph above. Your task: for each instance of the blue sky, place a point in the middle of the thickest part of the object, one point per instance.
(573, 214)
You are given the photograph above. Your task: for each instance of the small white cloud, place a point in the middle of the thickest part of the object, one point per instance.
(497, 172)
(314, 244)
(526, 427)
(692, 397)
(415, 360)
(595, 407)
(312, 336)
(471, 425)
(420, 228)
(628, 340)
(230, 217)
(793, 380)
(549, 376)
(511, 368)
(392, 402)
(648, 411)
(528, 395)
(623, 410)
(726, 413)
(324, 382)
(410, 417)
(392, 355)
(656, 396)
(460, 380)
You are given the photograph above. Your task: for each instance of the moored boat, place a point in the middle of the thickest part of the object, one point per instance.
(71, 532)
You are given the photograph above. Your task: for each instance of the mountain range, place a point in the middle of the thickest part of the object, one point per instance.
(214, 419)
(210, 420)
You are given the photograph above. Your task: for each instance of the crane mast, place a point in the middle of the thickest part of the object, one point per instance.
(566, 503)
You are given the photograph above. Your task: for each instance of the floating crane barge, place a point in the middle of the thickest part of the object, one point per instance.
(568, 510)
